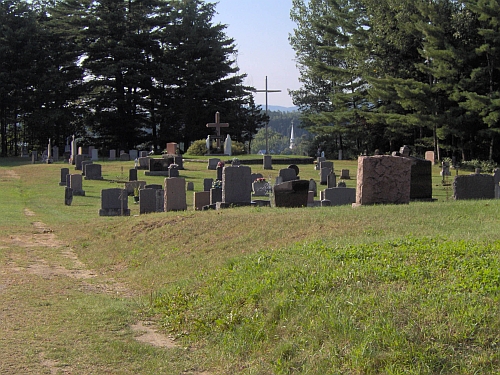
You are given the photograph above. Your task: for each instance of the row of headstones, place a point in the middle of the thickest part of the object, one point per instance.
(267, 162)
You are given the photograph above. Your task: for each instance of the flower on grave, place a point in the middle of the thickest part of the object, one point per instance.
(236, 161)
(220, 164)
(217, 184)
(260, 179)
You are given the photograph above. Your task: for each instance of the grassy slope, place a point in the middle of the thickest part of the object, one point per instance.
(276, 290)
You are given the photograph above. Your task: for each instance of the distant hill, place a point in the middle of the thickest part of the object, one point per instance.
(278, 108)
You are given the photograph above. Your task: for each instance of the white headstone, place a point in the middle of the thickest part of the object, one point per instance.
(227, 145)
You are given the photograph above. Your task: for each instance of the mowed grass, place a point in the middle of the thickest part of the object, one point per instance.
(371, 290)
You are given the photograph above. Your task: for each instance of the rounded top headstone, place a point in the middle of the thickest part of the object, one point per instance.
(295, 168)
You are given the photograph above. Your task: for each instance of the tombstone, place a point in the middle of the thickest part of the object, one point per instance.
(319, 160)
(34, 157)
(287, 174)
(84, 164)
(383, 179)
(75, 183)
(404, 150)
(326, 203)
(429, 155)
(215, 195)
(55, 153)
(64, 173)
(132, 186)
(179, 161)
(114, 202)
(93, 172)
(260, 187)
(173, 171)
(256, 176)
(228, 145)
(151, 201)
(310, 198)
(143, 154)
(201, 199)
(340, 154)
(237, 185)
(267, 162)
(212, 163)
(207, 184)
(291, 194)
(344, 174)
(73, 151)
(68, 196)
(323, 175)
(94, 154)
(235, 162)
(175, 194)
(445, 169)
(496, 177)
(132, 174)
(78, 162)
(331, 180)
(219, 173)
(124, 157)
(172, 148)
(68, 180)
(421, 179)
(313, 187)
(133, 154)
(143, 162)
(112, 155)
(80, 150)
(158, 167)
(153, 186)
(190, 186)
(339, 196)
(474, 186)
(295, 168)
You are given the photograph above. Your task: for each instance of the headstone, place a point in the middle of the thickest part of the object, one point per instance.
(93, 172)
(80, 150)
(421, 179)
(153, 186)
(268, 162)
(260, 187)
(132, 186)
(237, 185)
(55, 153)
(319, 160)
(313, 187)
(383, 179)
(179, 161)
(73, 150)
(429, 155)
(84, 164)
(114, 202)
(339, 196)
(404, 150)
(323, 175)
(287, 174)
(228, 145)
(158, 167)
(256, 176)
(173, 171)
(201, 199)
(78, 162)
(68, 196)
(133, 154)
(207, 184)
(64, 173)
(331, 180)
(75, 183)
(125, 157)
(143, 162)
(132, 174)
(112, 155)
(34, 157)
(295, 168)
(310, 198)
(496, 178)
(445, 169)
(175, 194)
(291, 194)
(235, 162)
(190, 186)
(219, 172)
(151, 201)
(172, 148)
(212, 163)
(95, 155)
(344, 174)
(215, 195)
(143, 154)
(474, 186)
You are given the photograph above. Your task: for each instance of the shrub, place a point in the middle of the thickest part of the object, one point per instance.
(485, 165)
(197, 148)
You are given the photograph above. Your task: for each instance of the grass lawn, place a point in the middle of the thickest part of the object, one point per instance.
(391, 289)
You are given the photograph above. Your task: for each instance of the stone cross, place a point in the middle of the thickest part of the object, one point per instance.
(217, 125)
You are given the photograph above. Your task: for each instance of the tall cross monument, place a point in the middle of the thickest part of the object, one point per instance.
(217, 125)
(266, 91)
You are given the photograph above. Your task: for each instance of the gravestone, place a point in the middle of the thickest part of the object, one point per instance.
(93, 172)
(291, 194)
(404, 150)
(114, 202)
(319, 160)
(143, 162)
(151, 201)
(34, 157)
(78, 161)
(75, 183)
(124, 157)
(212, 164)
(496, 178)
(339, 196)
(173, 171)
(287, 174)
(95, 155)
(445, 169)
(190, 186)
(228, 145)
(143, 154)
(201, 199)
(325, 168)
(175, 194)
(172, 148)
(344, 174)
(153, 186)
(133, 154)
(55, 153)
(313, 187)
(158, 167)
(207, 184)
(260, 188)
(237, 185)
(310, 198)
(112, 155)
(267, 162)
(68, 196)
(429, 155)
(132, 174)
(235, 162)
(421, 179)
(64, 173)
(132, 186)
(256, 176)
(84, 165)
(215, 195)
(474, 186)
(383, 179)
(331, 180)
(295, 168)
(219, 171)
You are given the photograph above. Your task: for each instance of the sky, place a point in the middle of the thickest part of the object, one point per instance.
(260, 29)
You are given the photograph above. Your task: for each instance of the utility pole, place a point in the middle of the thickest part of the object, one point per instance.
(266, 91)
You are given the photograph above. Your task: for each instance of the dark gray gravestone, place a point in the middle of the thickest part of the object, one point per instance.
(93, 172)
(215, 195)
(132, 174)
(421, 179)
(295, 168)
(84, 164)
(339, 196)
(64, 173)
(78, 162)
(237, 185)
(207, 184)
(151, 200)
(291, 194)
(114, 202)
(475, 186)
(68, 196)
(287, 174)
(173, 170)
(75, 183)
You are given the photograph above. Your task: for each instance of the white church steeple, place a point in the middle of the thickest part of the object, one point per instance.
(292, 138)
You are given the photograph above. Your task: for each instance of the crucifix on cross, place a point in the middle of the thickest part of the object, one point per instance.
(217, 125)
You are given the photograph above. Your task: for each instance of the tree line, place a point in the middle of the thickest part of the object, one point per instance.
(118, 74)
(377, 74)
